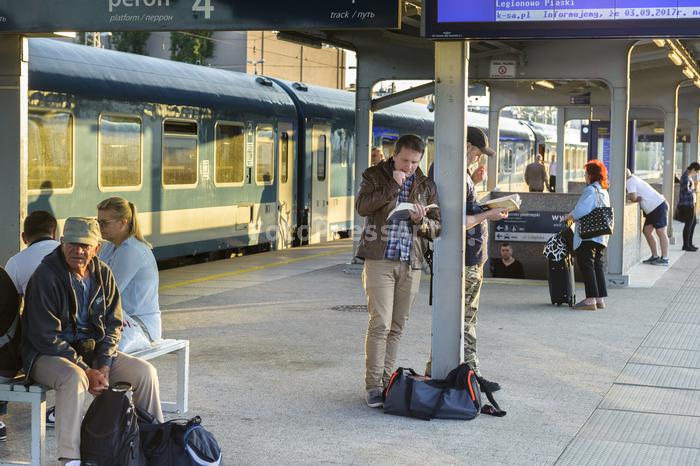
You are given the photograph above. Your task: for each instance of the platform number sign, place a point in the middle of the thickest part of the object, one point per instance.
(203, 6)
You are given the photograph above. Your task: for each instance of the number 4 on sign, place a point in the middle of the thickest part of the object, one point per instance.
(207, 7)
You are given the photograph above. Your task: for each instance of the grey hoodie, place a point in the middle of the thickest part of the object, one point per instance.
(50, 307)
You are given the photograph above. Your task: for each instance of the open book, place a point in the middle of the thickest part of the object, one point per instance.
(511, 202)
(403, 211)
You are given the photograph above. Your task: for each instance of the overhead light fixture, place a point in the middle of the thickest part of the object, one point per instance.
(660, 42)
(658, 130)
(688, 72)
(675, 58)
(70, 34)
(545, 83)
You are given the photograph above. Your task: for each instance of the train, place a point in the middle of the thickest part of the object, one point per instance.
(216, 161)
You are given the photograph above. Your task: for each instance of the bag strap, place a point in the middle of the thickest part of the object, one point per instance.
(10, 334)
(494, 410)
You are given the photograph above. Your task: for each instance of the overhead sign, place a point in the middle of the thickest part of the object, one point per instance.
(530, 227)
(506, 19)
(178, 15)
(502, 68)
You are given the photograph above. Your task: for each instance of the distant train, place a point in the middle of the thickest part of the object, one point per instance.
(216, 161)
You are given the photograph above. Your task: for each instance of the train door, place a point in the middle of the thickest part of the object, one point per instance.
(320, 153)
(285, 185)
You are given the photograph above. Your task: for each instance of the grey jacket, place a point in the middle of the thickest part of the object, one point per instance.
(51, 306)
(377, 198)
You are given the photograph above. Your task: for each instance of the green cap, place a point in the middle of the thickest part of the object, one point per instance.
(82, 230)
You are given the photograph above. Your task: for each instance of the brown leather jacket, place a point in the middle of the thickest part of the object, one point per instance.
(377, 197)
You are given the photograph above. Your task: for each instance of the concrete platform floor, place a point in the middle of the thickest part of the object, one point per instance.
(277, 369)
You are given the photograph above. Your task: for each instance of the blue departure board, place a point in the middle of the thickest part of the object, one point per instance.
(561, 18)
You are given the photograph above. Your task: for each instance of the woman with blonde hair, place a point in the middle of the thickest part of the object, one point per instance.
(129, 256)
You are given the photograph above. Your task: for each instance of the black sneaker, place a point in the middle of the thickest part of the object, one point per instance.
(488, 385)
(651, 260)
(375, 398)
(51, 417)
(3, 432)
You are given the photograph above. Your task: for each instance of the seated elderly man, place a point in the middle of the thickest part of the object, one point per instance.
(71, 326)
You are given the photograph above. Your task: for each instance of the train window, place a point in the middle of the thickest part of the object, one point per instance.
(50, 150)
(119, 151)
(284, 157)
(230, 153)
(321, 158)
(387, 148)
(179, 153)
(429, 153)
(264, 155)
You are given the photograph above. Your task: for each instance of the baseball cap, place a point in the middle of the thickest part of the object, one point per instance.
(477, 137)
(82, 230)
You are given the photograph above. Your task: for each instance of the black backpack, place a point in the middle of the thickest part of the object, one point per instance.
(109, 434)
(179, 442)
(10, 329)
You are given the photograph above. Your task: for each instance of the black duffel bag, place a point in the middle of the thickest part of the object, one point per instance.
(179, 442)
(456, 397)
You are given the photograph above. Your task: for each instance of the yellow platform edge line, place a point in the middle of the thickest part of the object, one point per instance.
(194, 281)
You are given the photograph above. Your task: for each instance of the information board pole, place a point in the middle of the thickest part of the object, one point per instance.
(670, 127)
(14, 53)
(451, 64)
(561, 135)
(493, 162)
(619, 113)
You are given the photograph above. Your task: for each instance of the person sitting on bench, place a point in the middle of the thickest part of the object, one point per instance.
(71, 327)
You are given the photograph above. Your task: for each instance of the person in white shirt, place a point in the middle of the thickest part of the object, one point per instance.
(129, 256)
(655, 210)
(40, 234)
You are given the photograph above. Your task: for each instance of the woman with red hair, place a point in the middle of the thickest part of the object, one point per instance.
(590, 253)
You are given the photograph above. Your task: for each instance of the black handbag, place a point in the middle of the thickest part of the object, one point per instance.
(599, 222)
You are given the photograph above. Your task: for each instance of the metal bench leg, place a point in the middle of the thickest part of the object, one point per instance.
(39, 431)
(183, 377)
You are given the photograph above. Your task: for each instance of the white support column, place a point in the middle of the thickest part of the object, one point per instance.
(693, 154)
(618, 164)
(451, 64)
(670, 126)
(561, 135)
(494, 131)
(14, 54)
(686, 155)
(363, 140)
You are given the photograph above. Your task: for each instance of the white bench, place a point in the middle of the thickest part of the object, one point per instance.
(16, 391)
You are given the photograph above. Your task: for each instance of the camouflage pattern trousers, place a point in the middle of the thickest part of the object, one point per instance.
(473, 277)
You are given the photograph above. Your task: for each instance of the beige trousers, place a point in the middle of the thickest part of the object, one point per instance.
(391, 287)
(71, 385)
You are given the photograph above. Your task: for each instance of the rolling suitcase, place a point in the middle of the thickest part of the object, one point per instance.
(562, 287)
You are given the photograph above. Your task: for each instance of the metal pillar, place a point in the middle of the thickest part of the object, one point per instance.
(451, 61)
(693, 153)
(14, 53)
(618, 164)
(670, 126)
(494, 131)
(363, 140)
(561, 138)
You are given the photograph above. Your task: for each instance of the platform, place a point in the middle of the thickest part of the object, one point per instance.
(277, 369)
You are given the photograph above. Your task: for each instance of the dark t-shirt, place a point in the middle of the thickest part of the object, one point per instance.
(477, 237)
(500, 270)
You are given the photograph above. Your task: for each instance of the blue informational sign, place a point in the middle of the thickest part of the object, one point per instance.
(561, 18)
(534, 226)
(180, 15)
(606, 153)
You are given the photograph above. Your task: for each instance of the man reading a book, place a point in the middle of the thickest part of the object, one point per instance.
(393, 252)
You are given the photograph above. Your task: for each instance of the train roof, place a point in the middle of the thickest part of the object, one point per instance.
(88, 71)
(328, 103)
